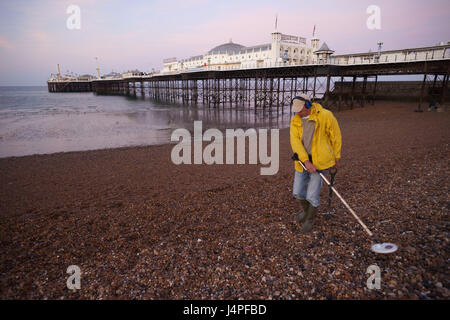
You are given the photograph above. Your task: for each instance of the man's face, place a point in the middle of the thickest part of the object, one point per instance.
(305, 112)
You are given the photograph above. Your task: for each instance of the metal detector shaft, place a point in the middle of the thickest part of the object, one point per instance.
(343, 201)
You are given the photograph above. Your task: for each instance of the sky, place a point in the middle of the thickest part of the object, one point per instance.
(138, 34)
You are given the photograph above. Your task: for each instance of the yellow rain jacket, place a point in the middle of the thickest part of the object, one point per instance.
(327, 140)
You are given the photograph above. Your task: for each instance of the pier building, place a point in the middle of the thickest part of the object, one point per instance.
(283, 50)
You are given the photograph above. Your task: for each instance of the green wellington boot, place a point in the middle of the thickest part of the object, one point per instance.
(308, 225)
(301, 217)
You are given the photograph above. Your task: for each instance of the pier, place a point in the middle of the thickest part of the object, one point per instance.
(272, 89)
(69, 86)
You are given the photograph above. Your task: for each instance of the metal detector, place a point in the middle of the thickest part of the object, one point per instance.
(385, 247)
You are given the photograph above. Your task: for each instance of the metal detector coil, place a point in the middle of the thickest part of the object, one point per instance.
(385, 247)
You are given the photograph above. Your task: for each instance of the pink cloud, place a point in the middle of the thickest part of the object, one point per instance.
(39, 36)
(5, 44)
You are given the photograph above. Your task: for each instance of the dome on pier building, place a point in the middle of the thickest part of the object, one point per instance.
(229, 47)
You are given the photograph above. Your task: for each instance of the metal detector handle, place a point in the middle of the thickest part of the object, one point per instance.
(375, 239)
(295, 157)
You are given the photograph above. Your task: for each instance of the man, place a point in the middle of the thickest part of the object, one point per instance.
(316, 138)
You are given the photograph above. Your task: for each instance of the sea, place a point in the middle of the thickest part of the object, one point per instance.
(35, 121)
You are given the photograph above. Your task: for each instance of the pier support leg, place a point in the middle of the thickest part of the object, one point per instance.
(327, 90)
(341, 90)
(363, 95)
(353, 92)
(444, 90)
(374, 93)
(278, 94)
(256, 93)
(314, 87)
(422, 90)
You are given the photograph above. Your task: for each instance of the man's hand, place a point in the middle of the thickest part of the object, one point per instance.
(336, 165)
(309, 166)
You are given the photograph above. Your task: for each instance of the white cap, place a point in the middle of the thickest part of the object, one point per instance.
(298, 104)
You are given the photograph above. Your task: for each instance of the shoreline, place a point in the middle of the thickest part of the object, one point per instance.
(86, 151)
(122, 148)
(395, 103)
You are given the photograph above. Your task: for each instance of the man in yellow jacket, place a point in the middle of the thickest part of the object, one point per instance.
(316, 138)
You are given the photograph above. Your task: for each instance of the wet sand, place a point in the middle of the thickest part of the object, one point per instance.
(141, 227)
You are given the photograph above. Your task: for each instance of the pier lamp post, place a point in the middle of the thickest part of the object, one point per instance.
(379, 51)
(98, 69)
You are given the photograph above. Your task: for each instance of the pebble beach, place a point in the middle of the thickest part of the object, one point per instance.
(141, 227)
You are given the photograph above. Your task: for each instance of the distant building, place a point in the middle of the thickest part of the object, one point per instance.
(112, 75)
(85, 77)
(284, 50)
(133, 73)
